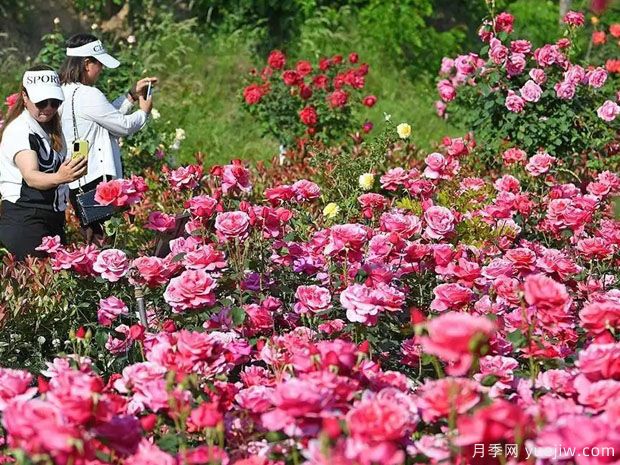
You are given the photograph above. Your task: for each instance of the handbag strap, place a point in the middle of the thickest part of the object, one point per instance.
(75, 131)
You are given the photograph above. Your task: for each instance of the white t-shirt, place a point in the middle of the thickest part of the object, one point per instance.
(101, 123)
(25, 133)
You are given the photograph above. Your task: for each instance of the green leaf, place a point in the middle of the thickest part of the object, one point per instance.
(517, 338)
(238, 316)
(169, 443)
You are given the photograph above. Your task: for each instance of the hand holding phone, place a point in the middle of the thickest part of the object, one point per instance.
(149, 91)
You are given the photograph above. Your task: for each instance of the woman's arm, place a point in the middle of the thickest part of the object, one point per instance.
(28, 165)
(98, 109)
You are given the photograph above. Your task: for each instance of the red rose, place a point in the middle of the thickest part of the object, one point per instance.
(369, 101)
(320, 81)
(353, 57)
(337, 98)
(305, 92)
(291, 78)
(303, 68)
(367, 127)
(337, 59)
(363, 69)
(136, 332)
(324, 63)
(11, 100)
(598, 37)
(308, 116)
(252, 94)
(276, 59)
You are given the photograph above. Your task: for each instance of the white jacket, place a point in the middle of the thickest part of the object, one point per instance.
(101, 123)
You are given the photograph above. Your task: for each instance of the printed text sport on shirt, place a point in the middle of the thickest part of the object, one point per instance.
(101, 123)
(25, 133)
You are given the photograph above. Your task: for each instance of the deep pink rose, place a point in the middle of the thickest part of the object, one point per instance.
(14, 384)
(451, 336)
(193, 289)
(110, 309)
(531, 91)
(447, 92)
(232, 225)
(153, 271)
(312, 299)
(112, 264)
(439, 222)
(574, 18)
(235, 178)
(159, 221)
(450, 296)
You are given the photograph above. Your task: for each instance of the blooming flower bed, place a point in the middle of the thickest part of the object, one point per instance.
(427, 312)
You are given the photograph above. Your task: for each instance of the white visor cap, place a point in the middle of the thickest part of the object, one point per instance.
(42, 85)
(96, 50)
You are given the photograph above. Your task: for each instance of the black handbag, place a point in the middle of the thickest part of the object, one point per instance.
(90, 211)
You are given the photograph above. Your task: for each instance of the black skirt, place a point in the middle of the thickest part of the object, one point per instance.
(22, 228)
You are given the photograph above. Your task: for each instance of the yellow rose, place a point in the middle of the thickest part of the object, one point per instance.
(404, 130)
(594, 20)
(366, 181)
(331, 210)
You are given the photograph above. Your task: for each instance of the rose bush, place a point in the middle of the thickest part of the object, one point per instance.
(515, 96)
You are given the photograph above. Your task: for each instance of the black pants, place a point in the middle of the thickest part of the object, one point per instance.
(22, 228)
(98, 226)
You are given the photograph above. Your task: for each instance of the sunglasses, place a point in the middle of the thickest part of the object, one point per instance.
(52, 102)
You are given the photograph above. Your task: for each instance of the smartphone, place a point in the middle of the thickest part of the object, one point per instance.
(149, 91)
(80, 149)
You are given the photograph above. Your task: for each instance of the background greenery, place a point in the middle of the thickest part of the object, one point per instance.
(201, 49)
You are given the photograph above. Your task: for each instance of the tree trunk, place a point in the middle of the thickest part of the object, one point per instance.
(564, 7)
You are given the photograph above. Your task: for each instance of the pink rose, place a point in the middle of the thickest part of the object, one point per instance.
(112, 264)
(205, 257)
(441, 108)
(306, 190)
(193, 289)
(597, 77)
(447, 92)
(50, 244)
(380, 420)
(440, 222)
(256, 399)
(110, 309)
(185, 177)
(504, 22)
(565, 90)
(312, 299)
(575, 75)
(515, 64)
(531, 91)
(435, 163)
(232, 225)
(497, 52)
(201, 205)
(159, 221)
(514, 155)
(547, 55)
(521, 46)
(153, 271)
(363, 304)
(11, 100)
(574, 18)
(539, 164)
(446, 65)
(402, 224)
(451, 336)
(121, 433)
(450, 296)
(440, 398)
(235, 178)
(514, 103)
(608, 111)
(14, 384)
(538, 76)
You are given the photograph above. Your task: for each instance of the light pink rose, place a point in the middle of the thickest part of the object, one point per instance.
(440, 222)
(193, 289)
(575, 75)
(538, 76)
(446, 65)
(515, 64)
(50, 244)
(565, 90)
(256, 399)
(597, 77)
(402, 224)
(306, 190)
(539, 164)
(363, 304)
(232, 225)
(497, 51)
(112, 264)
(312, 299)
(531, 91)
(110, 309)
(608, 111)
(514, 103)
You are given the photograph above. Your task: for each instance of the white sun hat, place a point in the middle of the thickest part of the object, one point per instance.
(42, 85)
(96, 50)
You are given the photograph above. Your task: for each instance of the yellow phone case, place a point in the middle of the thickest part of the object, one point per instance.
(80, 149)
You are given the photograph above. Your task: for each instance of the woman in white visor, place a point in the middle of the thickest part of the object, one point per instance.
(97, 120)
(34, 169)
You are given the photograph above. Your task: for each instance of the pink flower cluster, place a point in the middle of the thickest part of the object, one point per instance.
(121, 192)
